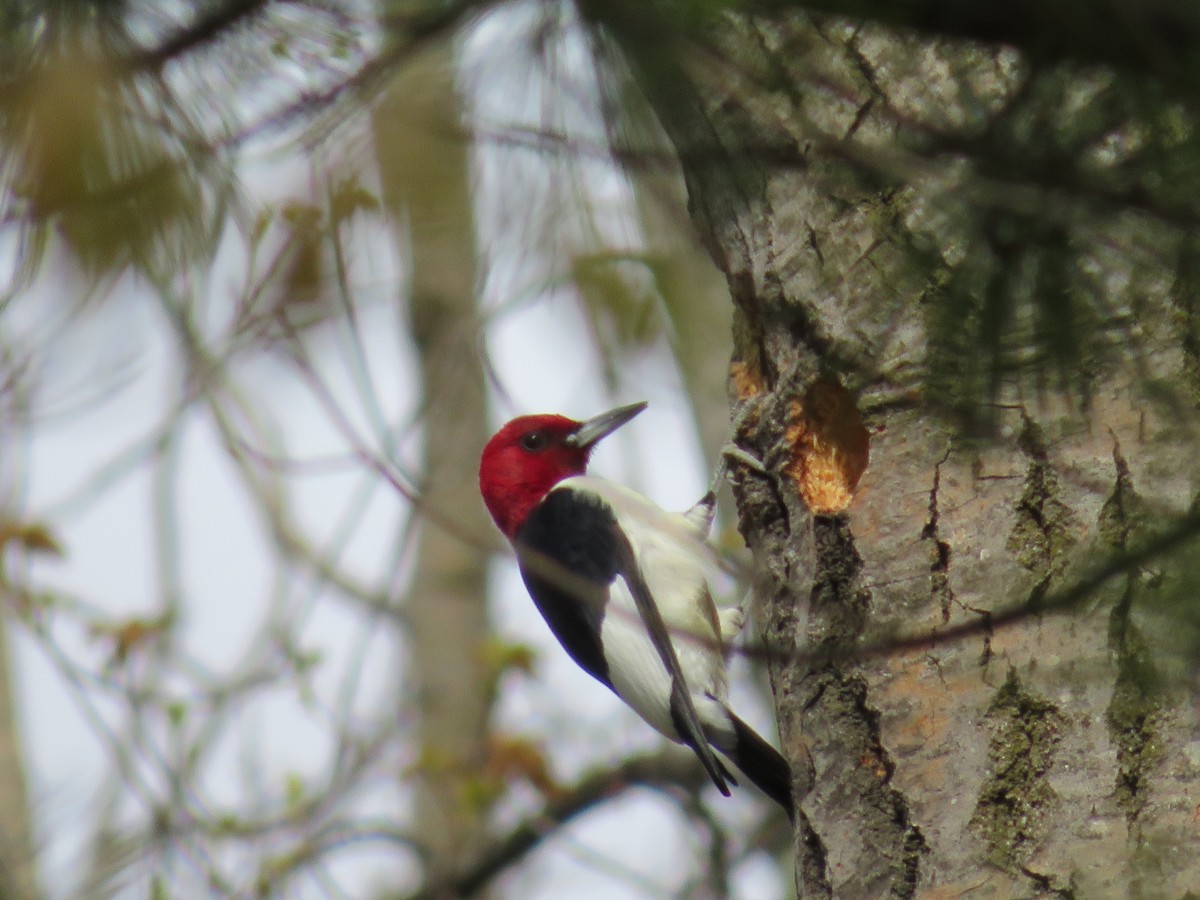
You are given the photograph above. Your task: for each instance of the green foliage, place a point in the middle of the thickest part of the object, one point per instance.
(295, 791)
(100, 155)
(176, 713)
(500, 657)
(1018, 303)
(1037, 199)
(619, 298)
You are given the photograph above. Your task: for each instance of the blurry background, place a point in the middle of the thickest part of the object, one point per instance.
(272, 274)
(272, 271)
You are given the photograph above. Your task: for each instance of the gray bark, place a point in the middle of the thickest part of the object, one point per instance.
(1037, 752)
(18, 874)
(426, 178)
(697, 302)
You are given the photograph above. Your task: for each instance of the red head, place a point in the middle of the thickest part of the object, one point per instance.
(531, 454)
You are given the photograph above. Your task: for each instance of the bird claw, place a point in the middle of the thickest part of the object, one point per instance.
(731, 453)
(701, 515)
(747, 459)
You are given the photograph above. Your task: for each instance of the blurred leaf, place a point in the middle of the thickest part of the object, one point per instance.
(176, 713)
(262, 223)
(105, 159)
(227, 825)
(34, 537)
(620, 296)
(499, 657)
(349, 198)
(294, 791)
(129, 635)
(304, 272)
(513, 758)
(276, 868)
(306, 663)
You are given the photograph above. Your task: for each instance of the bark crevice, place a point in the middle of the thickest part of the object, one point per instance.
(940, 591)
(815, 599)
(840, 609)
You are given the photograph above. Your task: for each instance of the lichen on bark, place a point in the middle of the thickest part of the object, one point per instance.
(1015, 795)
(1133, 718)
(1044, 526)
(846, 731)
(1134, 714)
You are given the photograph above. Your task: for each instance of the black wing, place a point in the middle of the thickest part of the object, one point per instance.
(683, 711)
(567, 552)
(570, 550)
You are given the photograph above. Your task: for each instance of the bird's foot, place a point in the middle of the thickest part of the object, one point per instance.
(733, 453)
(701, 515)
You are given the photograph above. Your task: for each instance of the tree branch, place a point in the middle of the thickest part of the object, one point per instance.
(668, 767)
(212, 26)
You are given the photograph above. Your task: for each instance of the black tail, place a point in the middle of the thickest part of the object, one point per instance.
(762, 764)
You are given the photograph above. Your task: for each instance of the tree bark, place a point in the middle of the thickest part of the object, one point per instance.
(18, 872)
(697, 302)
(1034, 751)
(426, 178)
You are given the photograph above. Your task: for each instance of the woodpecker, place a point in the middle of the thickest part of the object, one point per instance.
(623, 585)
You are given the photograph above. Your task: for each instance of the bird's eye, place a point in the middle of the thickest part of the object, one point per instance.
(535, 440)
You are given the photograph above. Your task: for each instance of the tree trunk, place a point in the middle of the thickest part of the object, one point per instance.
(697, 303)
(1027, 740)
(426, 179)
(18, 879)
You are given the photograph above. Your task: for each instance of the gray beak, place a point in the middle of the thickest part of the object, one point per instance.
(603, 425)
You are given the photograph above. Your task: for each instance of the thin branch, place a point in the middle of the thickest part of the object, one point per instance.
(667, 768)
(212, 26)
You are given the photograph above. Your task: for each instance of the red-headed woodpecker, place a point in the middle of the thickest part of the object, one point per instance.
(623, 585)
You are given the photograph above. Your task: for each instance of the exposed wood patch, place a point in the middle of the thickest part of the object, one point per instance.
(830, 445)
